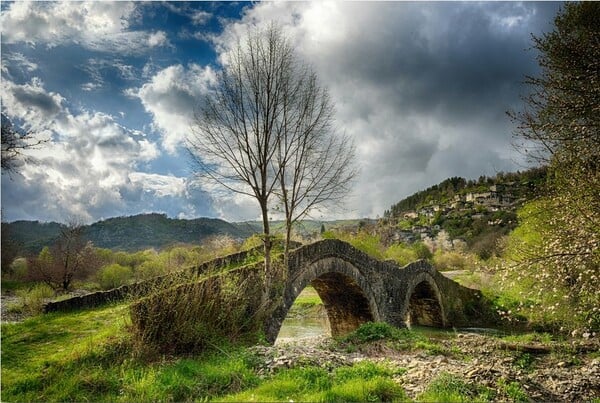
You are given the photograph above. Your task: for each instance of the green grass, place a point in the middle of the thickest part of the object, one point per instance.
(308, 297)
(450, 388)
(88, 355)
(364, 381)
(398, 339)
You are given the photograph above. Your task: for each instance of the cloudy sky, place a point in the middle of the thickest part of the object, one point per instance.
(422, 88)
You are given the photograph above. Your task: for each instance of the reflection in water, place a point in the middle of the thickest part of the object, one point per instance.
(294, 329)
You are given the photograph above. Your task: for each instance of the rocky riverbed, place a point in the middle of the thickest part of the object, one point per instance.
(566, 371)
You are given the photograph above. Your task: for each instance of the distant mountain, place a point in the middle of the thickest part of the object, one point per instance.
(129, 233)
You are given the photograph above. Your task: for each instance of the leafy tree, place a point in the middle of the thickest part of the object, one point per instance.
(560, 127)
(114, 275)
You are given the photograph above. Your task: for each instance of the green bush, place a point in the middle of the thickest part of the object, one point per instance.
(149, 269)
(114, 275)
(372, 331)
(450, 260)
(19, 269)
(401, 254)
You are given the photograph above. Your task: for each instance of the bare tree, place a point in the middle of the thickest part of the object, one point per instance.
(71, 257)
(266, 131)
(316, 166)
(14, 144)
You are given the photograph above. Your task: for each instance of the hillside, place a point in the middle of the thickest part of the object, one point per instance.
(128, 233)
(475, 211)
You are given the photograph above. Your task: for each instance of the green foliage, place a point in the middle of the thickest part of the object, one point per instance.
(18, 269)
(453, 260)
(401, 253)
(524, 361)
(513, 390)
(370, 244)
(560, 127)
(372, 331)
(149, 269)
(114, 275)
(549, 294)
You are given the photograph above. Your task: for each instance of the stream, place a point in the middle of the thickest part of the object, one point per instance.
(297, 329)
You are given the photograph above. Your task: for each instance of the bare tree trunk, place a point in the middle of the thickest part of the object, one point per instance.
(268, 281)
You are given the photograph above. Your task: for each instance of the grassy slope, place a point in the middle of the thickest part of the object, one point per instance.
(87, 355)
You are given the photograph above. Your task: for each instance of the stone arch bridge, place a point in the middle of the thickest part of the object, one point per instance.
(356, 288)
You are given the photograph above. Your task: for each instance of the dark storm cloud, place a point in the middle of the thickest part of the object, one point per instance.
(422, 87)
(32, 97)
(453, 58)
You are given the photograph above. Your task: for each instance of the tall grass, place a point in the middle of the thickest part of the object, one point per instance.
(202, 312)
(32, 299)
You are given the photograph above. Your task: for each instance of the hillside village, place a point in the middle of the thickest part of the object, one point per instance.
(467, 211)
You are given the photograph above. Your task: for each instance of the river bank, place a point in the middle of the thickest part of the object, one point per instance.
(500, 368)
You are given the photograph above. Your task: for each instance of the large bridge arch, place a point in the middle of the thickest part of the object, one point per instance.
(346, 294)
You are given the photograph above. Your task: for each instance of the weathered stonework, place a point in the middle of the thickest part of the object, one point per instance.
(356, 288)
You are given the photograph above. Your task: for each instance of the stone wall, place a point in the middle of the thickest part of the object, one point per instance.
(141, 288)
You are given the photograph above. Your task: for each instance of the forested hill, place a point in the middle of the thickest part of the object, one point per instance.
(522, 185)
(128, 233)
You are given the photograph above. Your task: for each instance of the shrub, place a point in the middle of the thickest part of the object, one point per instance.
(449, 260)
(114, 276)
(32, 300)
(401, 254)
(372, 331)
(198, 315)
(19, 269)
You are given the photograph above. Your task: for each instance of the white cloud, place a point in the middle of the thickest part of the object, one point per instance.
(171, 96)
(83, 170)
(159, 185)
(20, 61)
(200, 17)
(158, 38)
(96, 25)
(31, 103)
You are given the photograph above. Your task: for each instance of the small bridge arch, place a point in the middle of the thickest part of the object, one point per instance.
(423, 302)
